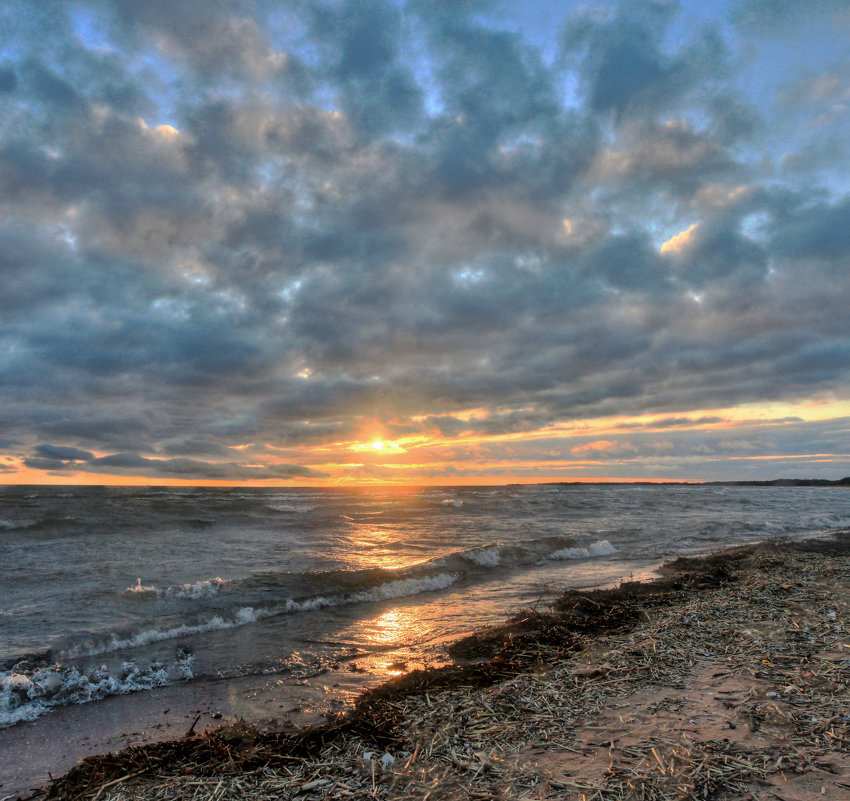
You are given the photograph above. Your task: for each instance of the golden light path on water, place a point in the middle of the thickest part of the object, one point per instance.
(393, 628)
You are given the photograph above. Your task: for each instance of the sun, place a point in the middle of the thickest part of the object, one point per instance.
(382, 446)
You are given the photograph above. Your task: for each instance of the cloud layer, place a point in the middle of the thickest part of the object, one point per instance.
(238, 239)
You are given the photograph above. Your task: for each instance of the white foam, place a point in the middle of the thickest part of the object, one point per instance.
(9, 525)
(115, 643)
(404, 587)
(28, 695)
(454, 502)
(292, 508)
(200, 589)
(486, 557)
(208, 588)
(600, 548)
(401, 588)
(140, 589)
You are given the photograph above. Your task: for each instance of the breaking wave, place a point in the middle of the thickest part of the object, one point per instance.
(272, 594)
(29, 690)
(601, 548)
(33, 686)
(242, 616)
(200, 589)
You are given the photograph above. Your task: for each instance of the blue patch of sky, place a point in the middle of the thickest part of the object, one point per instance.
(470, 275)
(416, 58)
(754, 226)
(11, 49)
(325, 97)
(286, 29)
(163, 89)
(776, 62)
(159, 76)
(91, 29)
(570, 91)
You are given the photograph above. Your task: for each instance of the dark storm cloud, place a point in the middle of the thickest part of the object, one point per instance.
(820, 230)
(8, 79)
(195, 447)
(240, 224)
(133, 464)
(673, 156)
(673, 422)
(212, 38)
(63, 453)
(718, 251)
(360, 44)
(57, 458)
(623, 65)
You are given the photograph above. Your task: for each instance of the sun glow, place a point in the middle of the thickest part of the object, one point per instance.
(471, 450)
(381, 446)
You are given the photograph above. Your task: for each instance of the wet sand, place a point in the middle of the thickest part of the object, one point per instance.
(53, 744)
(728, 676)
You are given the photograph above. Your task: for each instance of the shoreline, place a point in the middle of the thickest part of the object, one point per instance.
(696, 681)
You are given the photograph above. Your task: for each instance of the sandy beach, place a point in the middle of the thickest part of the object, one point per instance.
(727, 677)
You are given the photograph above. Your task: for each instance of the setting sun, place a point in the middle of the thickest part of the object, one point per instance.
(378, 445)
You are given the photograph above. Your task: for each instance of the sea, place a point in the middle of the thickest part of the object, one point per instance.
(111, 592)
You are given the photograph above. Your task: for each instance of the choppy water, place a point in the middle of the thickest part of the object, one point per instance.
(106, 591)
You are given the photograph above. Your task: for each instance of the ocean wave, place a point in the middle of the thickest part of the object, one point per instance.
(398, 588)
(118, 642)
(470, 563)
(486, 557)
(504, 555)
(600, 548)
(138, 590)
(208, 588)
(272, 594)
(298, 509)
(26, 523)
(28, 691)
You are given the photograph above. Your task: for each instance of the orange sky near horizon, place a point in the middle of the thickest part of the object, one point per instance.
(593, 450)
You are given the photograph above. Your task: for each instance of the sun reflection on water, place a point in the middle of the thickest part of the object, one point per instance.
(377, 546)
(394, 627)
(392, 633)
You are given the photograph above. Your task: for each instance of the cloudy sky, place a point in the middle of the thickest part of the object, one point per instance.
(430, 241)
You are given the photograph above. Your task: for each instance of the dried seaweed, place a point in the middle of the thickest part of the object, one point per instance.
(533, 721)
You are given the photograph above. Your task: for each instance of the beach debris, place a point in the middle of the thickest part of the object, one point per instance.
(611, 697)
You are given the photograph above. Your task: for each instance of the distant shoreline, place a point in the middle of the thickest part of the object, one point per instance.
(775, 482)
(614, 482)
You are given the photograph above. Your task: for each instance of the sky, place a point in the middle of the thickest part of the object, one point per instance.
(423, 241)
